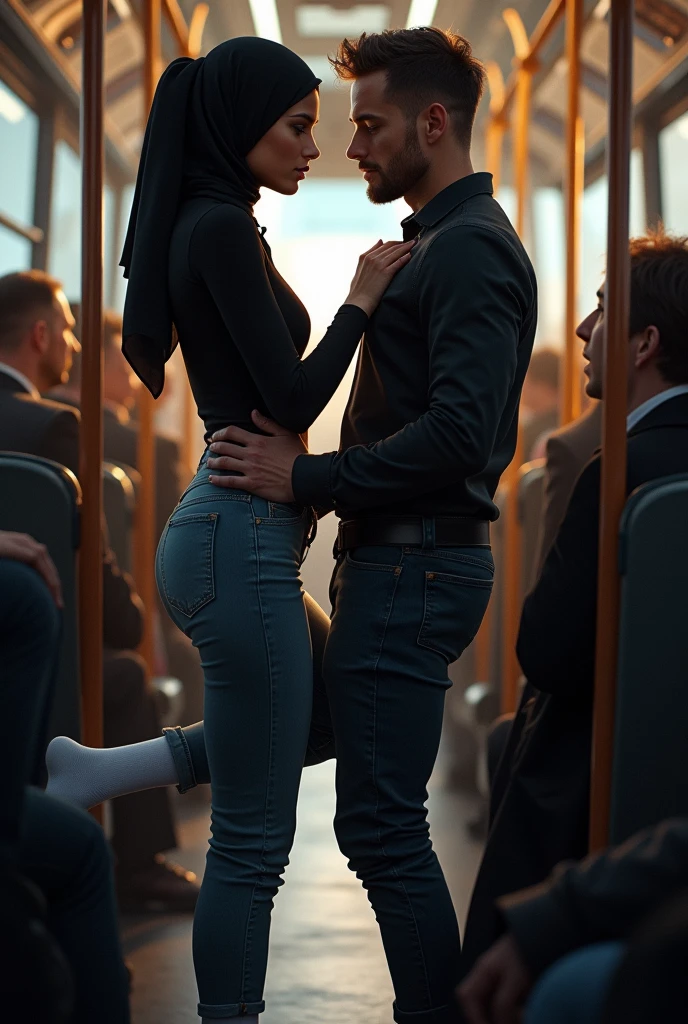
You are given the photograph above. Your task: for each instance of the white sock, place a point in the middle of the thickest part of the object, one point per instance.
(87, 776)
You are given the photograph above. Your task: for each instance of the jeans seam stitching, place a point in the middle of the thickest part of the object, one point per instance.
(251, 915)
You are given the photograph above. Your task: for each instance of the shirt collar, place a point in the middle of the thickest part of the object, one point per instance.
(20, 379)
(447, 200)
(634, 418)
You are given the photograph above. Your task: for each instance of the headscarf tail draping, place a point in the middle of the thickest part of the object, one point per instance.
(207, 115)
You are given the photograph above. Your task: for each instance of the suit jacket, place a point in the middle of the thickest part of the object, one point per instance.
(38, 426)
(568, 451)
(541, 791)
(44, 428)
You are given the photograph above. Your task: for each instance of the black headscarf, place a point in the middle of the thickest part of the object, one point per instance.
(207, 115)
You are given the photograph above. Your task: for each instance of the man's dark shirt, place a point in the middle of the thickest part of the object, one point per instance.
(432, 418)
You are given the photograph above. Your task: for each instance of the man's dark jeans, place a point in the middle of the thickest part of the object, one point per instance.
(400, 616)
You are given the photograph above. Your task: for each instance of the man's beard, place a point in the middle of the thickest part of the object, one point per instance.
(403, 173)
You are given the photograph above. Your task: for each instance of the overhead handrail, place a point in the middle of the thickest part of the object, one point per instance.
(613, 469)
(29, 232)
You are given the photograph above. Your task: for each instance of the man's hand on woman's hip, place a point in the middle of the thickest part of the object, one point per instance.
(264, 463)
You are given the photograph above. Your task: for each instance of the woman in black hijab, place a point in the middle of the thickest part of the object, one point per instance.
(200, 272)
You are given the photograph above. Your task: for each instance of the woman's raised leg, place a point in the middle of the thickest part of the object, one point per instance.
(86, 776)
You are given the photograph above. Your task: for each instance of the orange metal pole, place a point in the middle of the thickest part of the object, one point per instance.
(511, 670)
(569, 405)
(91, 432)
(613, 483)
(144, 537)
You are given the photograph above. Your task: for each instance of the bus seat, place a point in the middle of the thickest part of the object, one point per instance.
(531, 490)
(42, 498)
(650, 768)
(119, 503)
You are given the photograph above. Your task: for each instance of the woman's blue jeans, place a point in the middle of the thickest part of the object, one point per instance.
(399, 617)
(228, 572)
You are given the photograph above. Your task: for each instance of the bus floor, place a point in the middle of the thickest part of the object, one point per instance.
(326, 959)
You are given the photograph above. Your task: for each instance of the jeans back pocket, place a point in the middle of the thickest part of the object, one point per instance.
(454, 608)
(186, 563)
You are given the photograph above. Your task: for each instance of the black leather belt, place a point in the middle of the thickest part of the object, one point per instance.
(414, 531)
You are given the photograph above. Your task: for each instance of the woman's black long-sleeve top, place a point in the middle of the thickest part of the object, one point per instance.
(241, 328)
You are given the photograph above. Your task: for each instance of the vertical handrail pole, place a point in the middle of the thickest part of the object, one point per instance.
(613, 470)
(91, 431)
(512, 529)
(144, 537)
(570, 395)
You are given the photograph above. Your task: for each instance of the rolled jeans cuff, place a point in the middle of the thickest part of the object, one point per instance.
(448, 1014)
(223, 1010)
(181, 755)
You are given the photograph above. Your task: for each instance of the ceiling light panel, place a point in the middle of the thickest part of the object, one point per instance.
(322, 20)
(421, 12)
(266, 19)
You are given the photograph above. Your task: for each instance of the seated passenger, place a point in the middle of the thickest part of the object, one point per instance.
(572, 932)
(36, 346)
(62, 960)
(540, 796)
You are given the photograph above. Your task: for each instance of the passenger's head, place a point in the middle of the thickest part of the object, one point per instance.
(413, 99)
(36, 327)
(541, 386)
(658, 325)
(120, 383)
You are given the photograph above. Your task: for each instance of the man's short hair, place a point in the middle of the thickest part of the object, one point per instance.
(424, 66)
(544, 367)
(25, 297)
(659, 298)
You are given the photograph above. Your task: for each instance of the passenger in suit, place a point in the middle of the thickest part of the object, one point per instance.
(120, 445)
(36, 346)
(539, 810)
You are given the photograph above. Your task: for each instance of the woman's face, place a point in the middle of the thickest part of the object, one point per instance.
(280, 159)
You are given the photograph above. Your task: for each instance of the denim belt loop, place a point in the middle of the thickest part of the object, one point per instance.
(428, 532)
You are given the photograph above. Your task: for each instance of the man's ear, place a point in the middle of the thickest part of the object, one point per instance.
(40, 336)
(435, 122)
(648, 345)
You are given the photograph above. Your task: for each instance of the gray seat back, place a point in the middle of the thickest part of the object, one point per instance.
(42, 498)
(119, 503)
(650, 767)
(531, 490)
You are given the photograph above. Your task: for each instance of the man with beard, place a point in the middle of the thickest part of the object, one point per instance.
(429, 428)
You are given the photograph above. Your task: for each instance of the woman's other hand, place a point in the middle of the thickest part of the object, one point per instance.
(375, 270)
